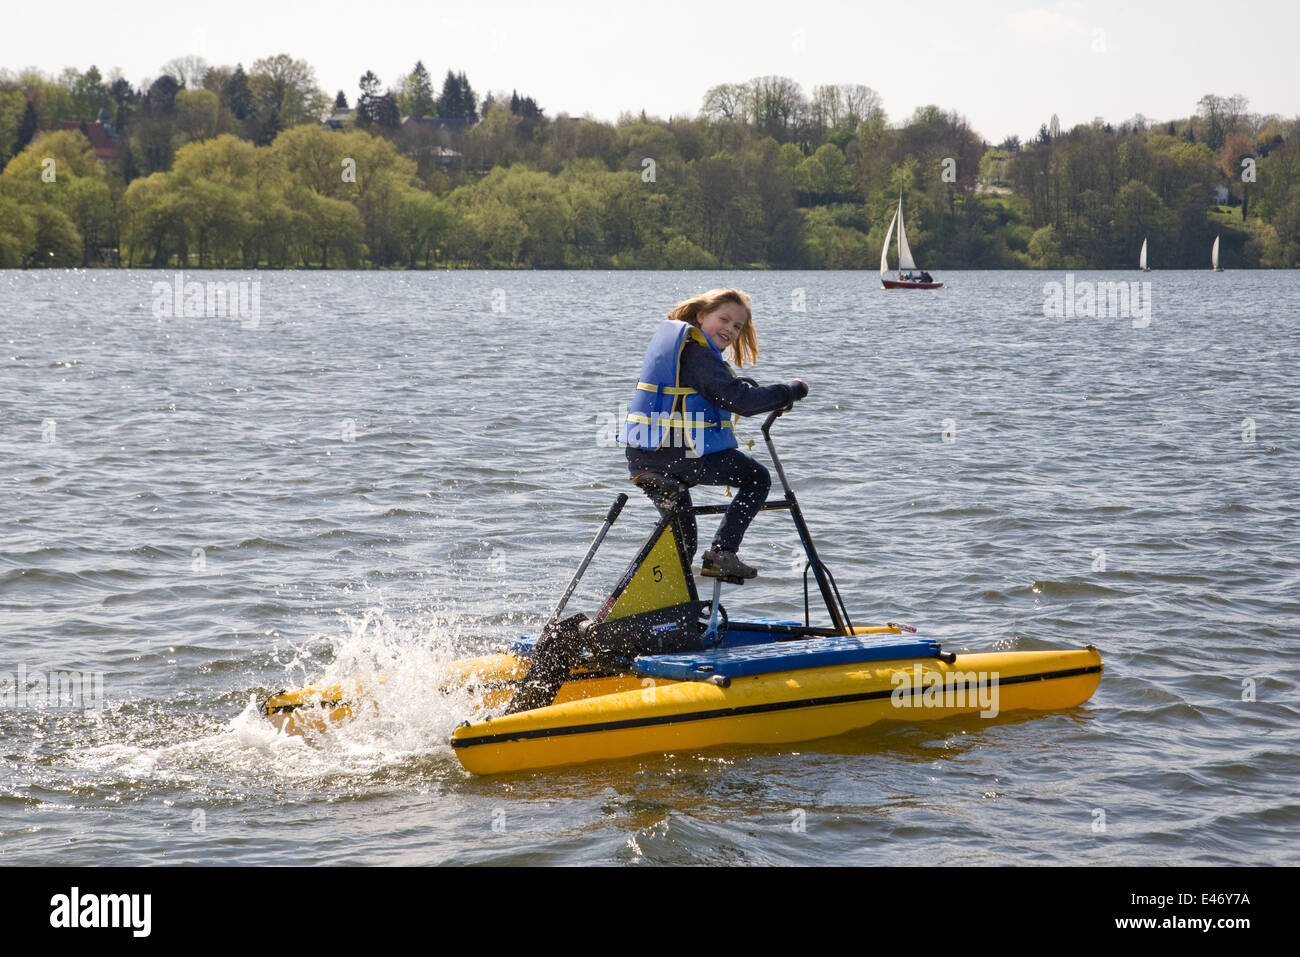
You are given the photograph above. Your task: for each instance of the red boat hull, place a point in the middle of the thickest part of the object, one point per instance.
(904, 284)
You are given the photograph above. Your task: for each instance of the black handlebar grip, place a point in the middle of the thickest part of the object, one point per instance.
(616, 508)
(776, 414)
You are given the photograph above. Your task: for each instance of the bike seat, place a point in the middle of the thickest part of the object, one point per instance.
(662, 489)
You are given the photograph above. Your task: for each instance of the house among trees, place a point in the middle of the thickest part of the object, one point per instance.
(445, 156)
(101, 135)
(435, 136)
(336, 120)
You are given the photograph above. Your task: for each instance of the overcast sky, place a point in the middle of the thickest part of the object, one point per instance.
(1006, 65)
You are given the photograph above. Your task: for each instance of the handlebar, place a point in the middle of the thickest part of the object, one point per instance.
(775, 414)
(616, 508)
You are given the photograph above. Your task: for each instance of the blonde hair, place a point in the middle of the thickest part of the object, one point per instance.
(745, 348)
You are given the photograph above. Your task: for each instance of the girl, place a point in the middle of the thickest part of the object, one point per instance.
(676, 425)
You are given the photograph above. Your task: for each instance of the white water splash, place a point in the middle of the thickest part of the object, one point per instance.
(404, 716)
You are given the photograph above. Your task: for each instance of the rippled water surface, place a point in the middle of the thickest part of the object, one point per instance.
(380, 472)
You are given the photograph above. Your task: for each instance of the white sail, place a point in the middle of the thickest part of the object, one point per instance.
(1214, 254)
(904, 251)
(884, 250)
(1142, 259)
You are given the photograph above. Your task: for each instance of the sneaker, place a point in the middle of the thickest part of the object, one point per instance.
(720, 564)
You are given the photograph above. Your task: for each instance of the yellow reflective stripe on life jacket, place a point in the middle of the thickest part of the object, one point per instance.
(673, 423)
(666, 390)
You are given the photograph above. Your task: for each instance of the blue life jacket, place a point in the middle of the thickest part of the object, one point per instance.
(666, 413)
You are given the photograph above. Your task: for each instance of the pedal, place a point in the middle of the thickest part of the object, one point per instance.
(729, 579)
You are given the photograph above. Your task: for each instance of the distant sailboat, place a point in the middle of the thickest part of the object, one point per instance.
(1214, 255)
(1142, 257)
(905, 262)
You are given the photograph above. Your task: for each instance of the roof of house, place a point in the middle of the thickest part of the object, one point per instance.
(101, 137)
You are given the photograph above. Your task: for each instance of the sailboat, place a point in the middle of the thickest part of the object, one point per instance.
(916, 278)
(1214, 255)
(1142, 257)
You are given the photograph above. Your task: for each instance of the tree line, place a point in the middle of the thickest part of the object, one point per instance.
(219, 167)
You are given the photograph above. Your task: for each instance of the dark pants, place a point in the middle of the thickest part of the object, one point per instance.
(728, 467)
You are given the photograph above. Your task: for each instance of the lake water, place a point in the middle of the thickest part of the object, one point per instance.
(386, 470)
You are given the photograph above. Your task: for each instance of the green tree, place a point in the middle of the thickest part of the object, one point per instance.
(152, 221)
(1277, 201)
(680, 253)
(226, 159)
(285, 94)
(375, 109)
(314, 157)
(416, 95)
(89, 94)
(829, 245)
(826, 172)
(89, 207)
(458, 100)
(238, 95)
(323, 225)
(70, 151)
(17, 230)
(423, 224)
(161, 98)
(57, 244)
(1045, 249)
(200, 116)
(28, 127)
(493, 142)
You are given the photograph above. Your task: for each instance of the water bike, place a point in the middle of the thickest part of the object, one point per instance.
(659, 670)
